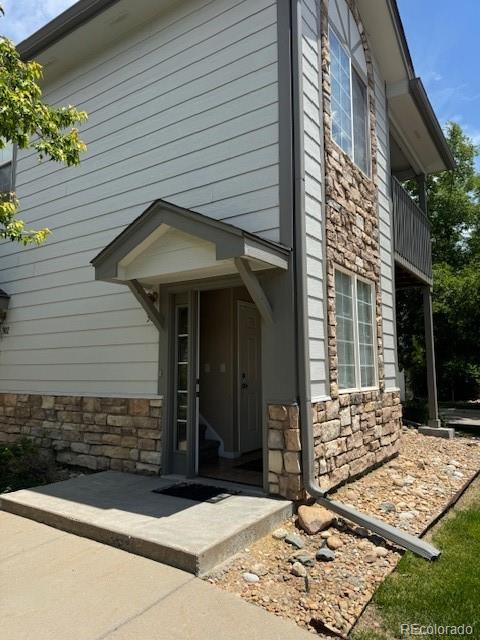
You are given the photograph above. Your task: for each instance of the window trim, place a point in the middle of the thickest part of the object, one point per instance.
(353, 67)
(356, 341)
(13, 167)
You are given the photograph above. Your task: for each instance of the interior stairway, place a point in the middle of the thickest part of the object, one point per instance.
(208, 448)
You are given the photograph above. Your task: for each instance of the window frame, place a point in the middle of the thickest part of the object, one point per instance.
(356, 340)
(13, 166)
(353, 67)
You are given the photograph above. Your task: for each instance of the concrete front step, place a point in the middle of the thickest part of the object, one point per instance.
(120, 509)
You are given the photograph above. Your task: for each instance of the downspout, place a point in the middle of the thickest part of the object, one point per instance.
(397, 536)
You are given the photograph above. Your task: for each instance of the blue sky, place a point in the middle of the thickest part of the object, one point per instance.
(444, 48)
(443, 38)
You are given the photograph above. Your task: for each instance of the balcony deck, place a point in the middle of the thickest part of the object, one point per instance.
(412, 238)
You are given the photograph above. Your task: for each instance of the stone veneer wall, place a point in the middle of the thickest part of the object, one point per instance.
(352, 431)
(123, 434)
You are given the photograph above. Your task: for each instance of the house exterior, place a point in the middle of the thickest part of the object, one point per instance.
(217, 297)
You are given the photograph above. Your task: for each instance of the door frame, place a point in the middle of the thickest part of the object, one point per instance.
(251, 305)
(172, 457)
(167, 294)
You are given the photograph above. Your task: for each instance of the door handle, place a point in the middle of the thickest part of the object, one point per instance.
(244, 384)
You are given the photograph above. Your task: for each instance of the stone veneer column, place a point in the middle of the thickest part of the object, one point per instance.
(284, 452)
(123, 434)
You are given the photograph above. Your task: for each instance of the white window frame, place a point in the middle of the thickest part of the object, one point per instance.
(356, 340)
(353, 67)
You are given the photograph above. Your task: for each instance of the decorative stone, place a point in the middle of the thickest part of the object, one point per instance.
(275, 461)
(251, 578)
(275, 439)
(138, 407)
(381, 552)
(330, 430)
(259, 569)
(298, 570)
(279, 534)
(388, 507)
(277, 412)
(370, 558)
(292, 440)
(295, 540)
(314, 519)
(325, 555)
(332, 408)
(304, 558)
(291, 461)
(334, 542)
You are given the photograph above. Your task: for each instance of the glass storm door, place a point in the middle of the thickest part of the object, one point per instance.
(184, 426)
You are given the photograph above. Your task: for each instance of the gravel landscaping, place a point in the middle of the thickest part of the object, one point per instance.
(323, 581)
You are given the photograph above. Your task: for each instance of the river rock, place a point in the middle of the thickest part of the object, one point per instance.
(334, 542)
(387, 507)
(314, 519)
(295, 541)
(259, 569)
(298, 570)
(325, 554)
(251, 578)
(280, 534)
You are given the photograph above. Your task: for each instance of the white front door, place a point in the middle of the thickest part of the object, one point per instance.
(249, 377)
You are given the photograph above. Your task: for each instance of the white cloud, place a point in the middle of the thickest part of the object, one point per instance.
(24, 17)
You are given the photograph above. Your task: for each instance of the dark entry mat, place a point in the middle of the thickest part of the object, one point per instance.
(196, 492)
(252, 465)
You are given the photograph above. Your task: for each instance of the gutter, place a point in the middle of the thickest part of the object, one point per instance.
(395, 535)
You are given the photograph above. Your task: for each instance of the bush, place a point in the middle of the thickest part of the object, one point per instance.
(22, 465)
(416, 410)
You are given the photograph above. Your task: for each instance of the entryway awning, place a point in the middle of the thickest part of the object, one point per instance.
(168, 244)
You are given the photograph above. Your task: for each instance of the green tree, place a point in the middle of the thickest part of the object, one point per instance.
(453, 203)
(454, 212)
(28, 122)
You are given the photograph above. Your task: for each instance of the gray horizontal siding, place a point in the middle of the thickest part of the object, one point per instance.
(312, 128)
(184, 109)
(385, 234)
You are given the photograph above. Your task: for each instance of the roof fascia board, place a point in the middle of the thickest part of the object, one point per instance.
(74, 17)
(419, 95)
(401, 37)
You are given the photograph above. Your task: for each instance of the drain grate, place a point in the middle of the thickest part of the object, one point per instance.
(196, 492)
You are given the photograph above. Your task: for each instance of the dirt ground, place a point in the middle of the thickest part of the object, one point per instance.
(407, 492)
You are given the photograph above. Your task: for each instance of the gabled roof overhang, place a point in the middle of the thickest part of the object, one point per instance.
(413, 123)
(230, 242)
(169, 244)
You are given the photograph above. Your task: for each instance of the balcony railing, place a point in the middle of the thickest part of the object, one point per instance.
(413, 249)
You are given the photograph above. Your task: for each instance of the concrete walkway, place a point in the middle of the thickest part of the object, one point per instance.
(121, 509)
(54, 585)
(468, 419)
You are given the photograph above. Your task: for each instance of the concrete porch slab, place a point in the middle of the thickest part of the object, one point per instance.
(119, 509)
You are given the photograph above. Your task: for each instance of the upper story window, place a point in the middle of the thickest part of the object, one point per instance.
(355, 317)
(348, 72)
(6, 168)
